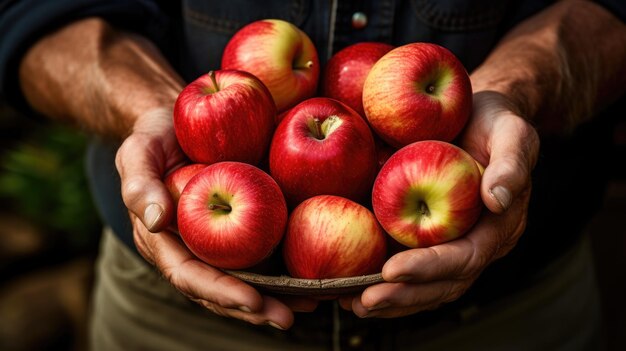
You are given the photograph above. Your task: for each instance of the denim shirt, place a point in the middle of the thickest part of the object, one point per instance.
(193, 33)
(469, 29)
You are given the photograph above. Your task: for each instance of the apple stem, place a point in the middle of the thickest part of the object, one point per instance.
(306, 65)
(423, 208)
(430, 89)
(212, 75)
(214, 207)
(316, 129)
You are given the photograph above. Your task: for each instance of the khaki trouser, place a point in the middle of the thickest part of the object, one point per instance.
(135, 309)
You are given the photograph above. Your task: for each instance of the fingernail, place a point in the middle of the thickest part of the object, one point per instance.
(502, 195)
(245, 309)
(152, 215)
(270, 323)
(380, 306)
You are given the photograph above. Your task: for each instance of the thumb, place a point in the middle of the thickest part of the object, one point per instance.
(513, 154)
(142, 160)
(141, 167)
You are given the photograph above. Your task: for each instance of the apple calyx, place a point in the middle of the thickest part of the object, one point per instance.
(417, 208)
(438, 82)
(321, 130)
(423, 209)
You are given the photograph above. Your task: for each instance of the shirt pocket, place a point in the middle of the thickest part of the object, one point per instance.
(208, 25)
(460, 15)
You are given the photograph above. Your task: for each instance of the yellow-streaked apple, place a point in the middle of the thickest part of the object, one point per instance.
(418, 91)
(427, 193)
(280, 54)
(332, 237)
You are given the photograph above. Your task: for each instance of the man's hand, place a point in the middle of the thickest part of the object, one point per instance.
(118, 85)
(425, 278)
(150, 152)
(554, 69)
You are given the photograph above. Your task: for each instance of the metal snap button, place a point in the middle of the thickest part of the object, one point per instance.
(359, 20)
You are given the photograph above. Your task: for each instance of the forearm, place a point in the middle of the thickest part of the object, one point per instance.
(101, 79)
(559, 67)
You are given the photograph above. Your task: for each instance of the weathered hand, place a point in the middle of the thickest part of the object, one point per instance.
(425, 278)
(143, 159)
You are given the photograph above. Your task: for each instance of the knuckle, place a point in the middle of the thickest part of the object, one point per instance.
(475, 262)
(132, 190)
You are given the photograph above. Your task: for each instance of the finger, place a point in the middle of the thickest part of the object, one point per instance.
(391, 312)
(298, 303)
(141, 163)
(439, 262)
(195, 278)
(221, 293)
(390, 299)
(508, 145)
(274, 313)
(465, 257)
(345, 302)
(514, 150)
(277, 314)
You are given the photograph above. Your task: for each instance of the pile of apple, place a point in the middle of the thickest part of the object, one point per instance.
(329, 178)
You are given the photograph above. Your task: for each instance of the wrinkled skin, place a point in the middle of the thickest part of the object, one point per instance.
(425, 278)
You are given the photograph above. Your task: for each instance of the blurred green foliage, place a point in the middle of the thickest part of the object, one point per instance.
(42, 178)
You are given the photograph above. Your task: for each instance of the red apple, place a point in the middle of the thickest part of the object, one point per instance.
(281, 55)
(427, 193)
(418, 91)
(345, 72)
(321, 147)
(225, 116)
(232, 215)
(176, 181)
(333, 237)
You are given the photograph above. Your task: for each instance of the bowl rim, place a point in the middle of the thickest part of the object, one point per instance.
(285, 284)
